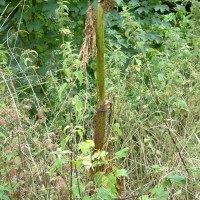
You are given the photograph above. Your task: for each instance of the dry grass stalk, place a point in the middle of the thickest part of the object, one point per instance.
(89, 42)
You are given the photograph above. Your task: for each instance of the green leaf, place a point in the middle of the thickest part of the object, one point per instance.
(87, 164)
(59, 162)
(142, 10)
(161, 77)
(5, 188)
(99, 154)
(2, 2)
(3, 196)
(182, 104)
(67, 72)
(34, 25)
(79, 75)
(1, 134)
(87, 198)
(77, 164)
(64, 142)
(179, 192)
(168, 90)
(167, 183)
(77, 188)
(119, 2)
(60, 91)
(159, 193)
(86, 146)
(111, 184)
(57, 165)
(98, 178)
(104, 194)
(144, 197)
(134, 3)
(121, 173)
(52, 170)
(179, 180)
(49, 8)
(122, 153)
(161, 8)
(117, 129)
(78, 104)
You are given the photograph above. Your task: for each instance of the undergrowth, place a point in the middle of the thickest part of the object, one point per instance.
(47, 114)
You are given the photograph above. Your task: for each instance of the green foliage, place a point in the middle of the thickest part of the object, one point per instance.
(179, 180)
(3, 190)
(122, 153)
(86, 146)
(47, 105)
(195, 24)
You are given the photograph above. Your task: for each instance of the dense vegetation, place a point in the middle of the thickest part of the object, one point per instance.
(48, 100)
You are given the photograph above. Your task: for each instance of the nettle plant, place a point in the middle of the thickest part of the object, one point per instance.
(104, 180)
(85, 181)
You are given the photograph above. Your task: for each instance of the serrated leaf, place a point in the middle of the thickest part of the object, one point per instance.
(99, 154)
(122, 153)
(59, 162)
(78, 104)
(111, 184)
(121, 173)
(60, 91)
(67, 72)
(86, 146)
(161, 8)
(64, 142)
(119, 2)
(141, 10)
(134, 3)
(57, 165)
(87, 164)
(179, 180)
(98, 178)
(49, 8)
(104, 194)
(52, 170)
(117, 129)
(79, 76)
(159, 193)
(77, 163)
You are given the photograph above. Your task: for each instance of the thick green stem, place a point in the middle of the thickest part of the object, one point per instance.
(100, 75)
(100, 71)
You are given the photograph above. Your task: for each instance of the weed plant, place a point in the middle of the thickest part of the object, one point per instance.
(47, 105)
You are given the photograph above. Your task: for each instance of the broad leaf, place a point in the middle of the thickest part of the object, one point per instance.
(179, 180)
(122, 153)
(161, 8)
(79, 75)
(60, 91)
(121, 173)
